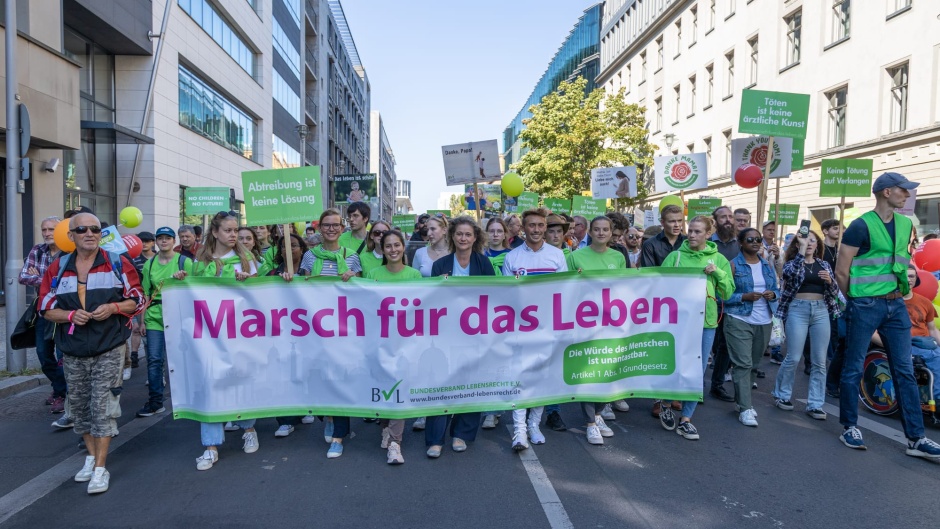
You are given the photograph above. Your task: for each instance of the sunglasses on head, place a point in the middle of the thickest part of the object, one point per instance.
(229, 213)
(81, 230)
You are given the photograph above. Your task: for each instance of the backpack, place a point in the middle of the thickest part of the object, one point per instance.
(180, 263)
(117, 266)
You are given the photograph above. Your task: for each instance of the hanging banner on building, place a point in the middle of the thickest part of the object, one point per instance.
(279, 196)
(613, 182)
(702, 206)
(466, 163)
(207, 200)
(845, 177)
(349, 188)
(526, 201)
(681, 172)
(557, 205)
(789, 214)
(774, 113)
(754, 150)
(588, 207)
(267, 348)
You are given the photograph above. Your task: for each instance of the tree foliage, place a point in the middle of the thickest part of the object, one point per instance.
(571, 133)
(456, 205)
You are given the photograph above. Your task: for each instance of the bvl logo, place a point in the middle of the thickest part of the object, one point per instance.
(379, 394)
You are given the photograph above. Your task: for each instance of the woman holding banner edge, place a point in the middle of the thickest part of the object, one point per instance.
(223, 256)
(465, 240)
(597, 256)
(393, 268)
(698, 252)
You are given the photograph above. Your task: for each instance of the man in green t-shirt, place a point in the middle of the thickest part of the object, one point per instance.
(357, 215)
(165, 266)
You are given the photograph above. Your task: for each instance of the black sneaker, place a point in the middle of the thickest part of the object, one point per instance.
(760, 374)
(667, 418)
(554, 421)
(834, 393)
(776, 359)
(135, 360)
(720, 393)
(150, 409)
(817, 414)
(784, 404)
(687, 430)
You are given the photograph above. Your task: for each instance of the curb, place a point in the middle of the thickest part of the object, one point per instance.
(14, 385)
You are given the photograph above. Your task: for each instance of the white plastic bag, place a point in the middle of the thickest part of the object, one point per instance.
(777, 335)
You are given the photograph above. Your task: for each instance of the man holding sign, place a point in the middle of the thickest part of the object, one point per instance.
(872, 271)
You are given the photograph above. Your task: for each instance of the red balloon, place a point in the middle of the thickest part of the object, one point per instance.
(134, 245)
(927, 257)
(748, 176)
(928, 284)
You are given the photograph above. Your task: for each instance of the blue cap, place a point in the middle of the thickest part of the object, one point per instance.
(166, 231)
(892, 180)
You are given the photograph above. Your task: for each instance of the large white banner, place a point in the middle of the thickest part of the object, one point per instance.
(466, 163)
(753, 150)
(425, 347)
(681, 172)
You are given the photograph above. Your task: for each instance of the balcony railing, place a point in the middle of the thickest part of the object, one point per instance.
(313, 15)
(311, 107)
(313, 64)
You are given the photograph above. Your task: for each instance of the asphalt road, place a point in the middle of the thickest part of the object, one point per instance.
(791, 471)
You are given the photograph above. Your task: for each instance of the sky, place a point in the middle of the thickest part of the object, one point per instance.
(445, 72)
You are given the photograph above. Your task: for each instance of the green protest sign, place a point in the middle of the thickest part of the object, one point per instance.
(845, 177)
(279, 196)
(557, 205)
(789, 214)
(798, 153)
(405, 223)
(774, 113)
(527, 200)
(702, 206)
(588, 207)
(207, 200)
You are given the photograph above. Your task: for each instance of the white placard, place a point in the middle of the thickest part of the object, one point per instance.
(466, 163)
(753, 150)
(613, 182)
(681, 172)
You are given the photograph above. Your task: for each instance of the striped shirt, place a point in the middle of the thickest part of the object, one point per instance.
(329, 267)
(524, 261)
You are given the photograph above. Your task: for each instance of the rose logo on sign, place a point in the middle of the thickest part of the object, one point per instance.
(683, 172)
(756, 153)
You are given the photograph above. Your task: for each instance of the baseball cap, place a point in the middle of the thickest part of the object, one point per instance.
(166, 231)
(146, 236)
(768, 223)
(887, 180)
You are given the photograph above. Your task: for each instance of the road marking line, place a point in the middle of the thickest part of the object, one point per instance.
(34, 489)
(548, 497)
(868, 424)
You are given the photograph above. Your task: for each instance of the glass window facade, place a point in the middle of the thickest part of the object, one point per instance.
(283, 155)
(577, 57)
(286, 49)
(209, 19)
(293, 7)
(286, 97)
(204, 111)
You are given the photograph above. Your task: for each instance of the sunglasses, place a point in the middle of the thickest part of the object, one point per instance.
(750, 240)
(82, 230)
(633, 236)
(379, 233)
(229, 213)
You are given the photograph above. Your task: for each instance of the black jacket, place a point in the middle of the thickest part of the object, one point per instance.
(655, 250)
(480, 265)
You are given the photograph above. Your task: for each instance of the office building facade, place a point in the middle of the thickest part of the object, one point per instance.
(382, 164)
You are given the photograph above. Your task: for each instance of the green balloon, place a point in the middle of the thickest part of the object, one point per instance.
(670, 200)
(512, 184)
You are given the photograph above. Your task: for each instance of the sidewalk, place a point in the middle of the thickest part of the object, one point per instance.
(14, 385)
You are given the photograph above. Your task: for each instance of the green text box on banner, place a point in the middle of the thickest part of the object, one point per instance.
(588, 207)
(527, 200)
(557, 205)
(774, 113)
(702, 206)
(789, 214)
(321, 346)
(279, 196)
(845, 177)
(405, 223)
(207, 200)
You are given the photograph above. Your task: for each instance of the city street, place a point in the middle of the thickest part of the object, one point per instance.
(791, 471)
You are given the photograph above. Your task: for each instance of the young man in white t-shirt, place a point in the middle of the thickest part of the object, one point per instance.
(535, 257)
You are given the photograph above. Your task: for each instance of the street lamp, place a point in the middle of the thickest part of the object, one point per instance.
(669, 139)
(302, 132)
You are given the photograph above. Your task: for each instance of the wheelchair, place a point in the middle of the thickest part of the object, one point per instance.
(877, 391)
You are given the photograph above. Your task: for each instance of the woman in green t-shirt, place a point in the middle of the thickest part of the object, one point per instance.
(372, 256)
(597, 256)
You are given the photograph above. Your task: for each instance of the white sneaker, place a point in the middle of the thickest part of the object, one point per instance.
(489, 422)
(126, 376)
(207, 459)
(85, 473)
(308, 419)
(251, 442)
(284, 430)
(520, 441)
(535, 435)
(386, 437)
(608, 413)
(394, 454)
(230, 427)
(594, 435)
(602, 426)
(748, 417)
(99, 481)
(621, 405)
(419, 424)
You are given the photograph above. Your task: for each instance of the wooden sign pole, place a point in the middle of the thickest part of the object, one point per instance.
(762, 188)
(476, 200)
(288, 254)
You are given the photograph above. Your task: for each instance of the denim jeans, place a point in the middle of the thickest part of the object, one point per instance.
(462, 426)
(156, 359)
(49, 359)
(708, 338)
(932, 359)
(213, 433)
(806, 318)
(864, 316)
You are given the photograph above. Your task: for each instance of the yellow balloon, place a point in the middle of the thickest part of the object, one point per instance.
(131, 217)
(61, 236)
(670, 200)
(512, 184)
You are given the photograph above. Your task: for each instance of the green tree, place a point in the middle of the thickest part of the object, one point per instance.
(571, 132)
(456, 205)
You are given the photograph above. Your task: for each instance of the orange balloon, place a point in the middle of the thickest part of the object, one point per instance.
(61, 237)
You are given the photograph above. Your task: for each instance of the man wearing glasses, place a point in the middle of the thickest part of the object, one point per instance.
(632, 240)
(91, 299)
